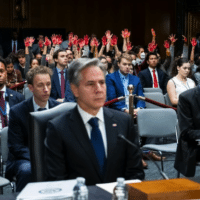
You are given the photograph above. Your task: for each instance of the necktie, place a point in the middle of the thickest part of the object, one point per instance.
(155, 82)
(14, 47)
(97, 142)
(3, 110)
(41, 109)
(62, 84)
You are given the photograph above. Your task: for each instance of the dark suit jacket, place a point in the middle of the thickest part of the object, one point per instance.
(147, 82)
(18, 129)
(13, 97)
(189, 118)
(115, 89)
(69, 152)
(56, 89)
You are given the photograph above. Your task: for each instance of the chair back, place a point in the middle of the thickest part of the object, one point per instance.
(156, 96)
(167, 100)
(157, 122)
(37, 133)
(4, 148)
(27, 93)
(152, 90)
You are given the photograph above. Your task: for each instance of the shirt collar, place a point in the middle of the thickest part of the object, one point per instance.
(122, 76)
(151, 69)
(59, 70)
(36, 106)
(86, 116)
(4, 91)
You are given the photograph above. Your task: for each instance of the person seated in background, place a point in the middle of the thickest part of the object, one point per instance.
(60, 85)
(84, 141)
(13, 75)
(18, 163)
(21, 62)
(117, 85)
(179, 83)
(104, 62)
(153, 77)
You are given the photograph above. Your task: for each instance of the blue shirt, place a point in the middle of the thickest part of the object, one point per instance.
(59, 74)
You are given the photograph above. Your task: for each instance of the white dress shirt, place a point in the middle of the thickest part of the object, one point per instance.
(36, 106)
(7, 106)
(86, 117)
(151, 72)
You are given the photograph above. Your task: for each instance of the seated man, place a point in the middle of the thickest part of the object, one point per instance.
(188, 117)
(153, 77)
(18, 164)
(84, 141)
(8, 98)
(117, 85)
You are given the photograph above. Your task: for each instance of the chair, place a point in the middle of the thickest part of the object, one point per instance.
(27, 93)
(152, 90)
(158, 123)
(167, 100)
(4, 156)
(156, 96)
(37, 133)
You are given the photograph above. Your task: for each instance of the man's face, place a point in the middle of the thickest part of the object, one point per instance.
(41, 87)
(140, 51)
(62, 58)
(91, 92)
(125, 66)
(10, 68)
(153, 61)
(69, 56)
(22, 60)
(34, 63)
(105, 63)
(3, 74)
(15, 35)
(40, 37)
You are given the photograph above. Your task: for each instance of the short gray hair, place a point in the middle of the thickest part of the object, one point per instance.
(75, 68)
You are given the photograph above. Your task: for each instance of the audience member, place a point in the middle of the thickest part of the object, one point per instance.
(22, 61)
(179, 83)
(153, 77)
(91, 158)
(18, 164)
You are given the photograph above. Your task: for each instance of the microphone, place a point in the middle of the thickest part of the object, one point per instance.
(128, 141)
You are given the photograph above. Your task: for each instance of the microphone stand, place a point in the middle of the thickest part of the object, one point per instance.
(132, 144)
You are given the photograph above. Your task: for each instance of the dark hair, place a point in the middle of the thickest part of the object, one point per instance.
(151, 54)
(3, 61)
(37, 70)
(178, 62)
(55, 55)
(13, 56)
(33, 60)
(137, 49)
(21, 53)
(132, 53)
(8, 61)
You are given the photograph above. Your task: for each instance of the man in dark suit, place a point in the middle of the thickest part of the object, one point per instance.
(18, 164)
(84, 141)
(8, 98)
(61, 90)
(188, 117)
(153, 77)
(117, 85)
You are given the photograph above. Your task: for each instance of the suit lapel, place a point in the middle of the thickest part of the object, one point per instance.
(80, 133)
(10, 97)
(149, 77)
(111, 135)
(119, 82)
(56, 79)
(197, 93)
(160, 76)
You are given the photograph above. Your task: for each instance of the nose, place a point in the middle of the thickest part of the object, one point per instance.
(46, 88)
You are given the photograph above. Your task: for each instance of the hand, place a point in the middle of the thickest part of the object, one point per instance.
(126, 33)
(60, 100)
(47, 42)
(184, 39)
(104, 40)
(194, 42)
(31, 40)
(41, 43)
(81, 43)
(108, 34)
(126, 111)
(136, 112)
(153, 32)
(114, 40)
(75, 40)
(54, 40)
(128, 46)
(166, 44)
(27, 42)
(152, 46)
(59, 39)
(172, 38)
(86, 38)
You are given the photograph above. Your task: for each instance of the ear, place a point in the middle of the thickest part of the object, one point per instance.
(74, 89)
(30, 87)
(56, 60)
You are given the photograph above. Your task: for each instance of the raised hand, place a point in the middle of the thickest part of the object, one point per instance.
(27, 42)
(173, 38)
(75, 40)
(128, 46)
(166, 44)
(86, 38)
(184, 39)
(47, 42)
(114, 40)
(53, 39)
(152, 46)
(108, 34)
(59, 39)
(126, 33)
(41, 43)
(104, 40)
(194, 42)
(81, 43)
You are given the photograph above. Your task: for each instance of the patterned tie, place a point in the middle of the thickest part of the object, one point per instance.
(155, 82)
(62, 84)
(97, 142)
(14, 47)
(41, 109)
(2, 114)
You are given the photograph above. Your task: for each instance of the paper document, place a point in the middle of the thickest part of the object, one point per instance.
(109, 187)
(48, 190)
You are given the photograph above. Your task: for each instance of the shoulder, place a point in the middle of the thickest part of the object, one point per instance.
(14, 93)
(22, 107)
(144, 71)
(135, 78)
(112, 75)
(53, 102)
